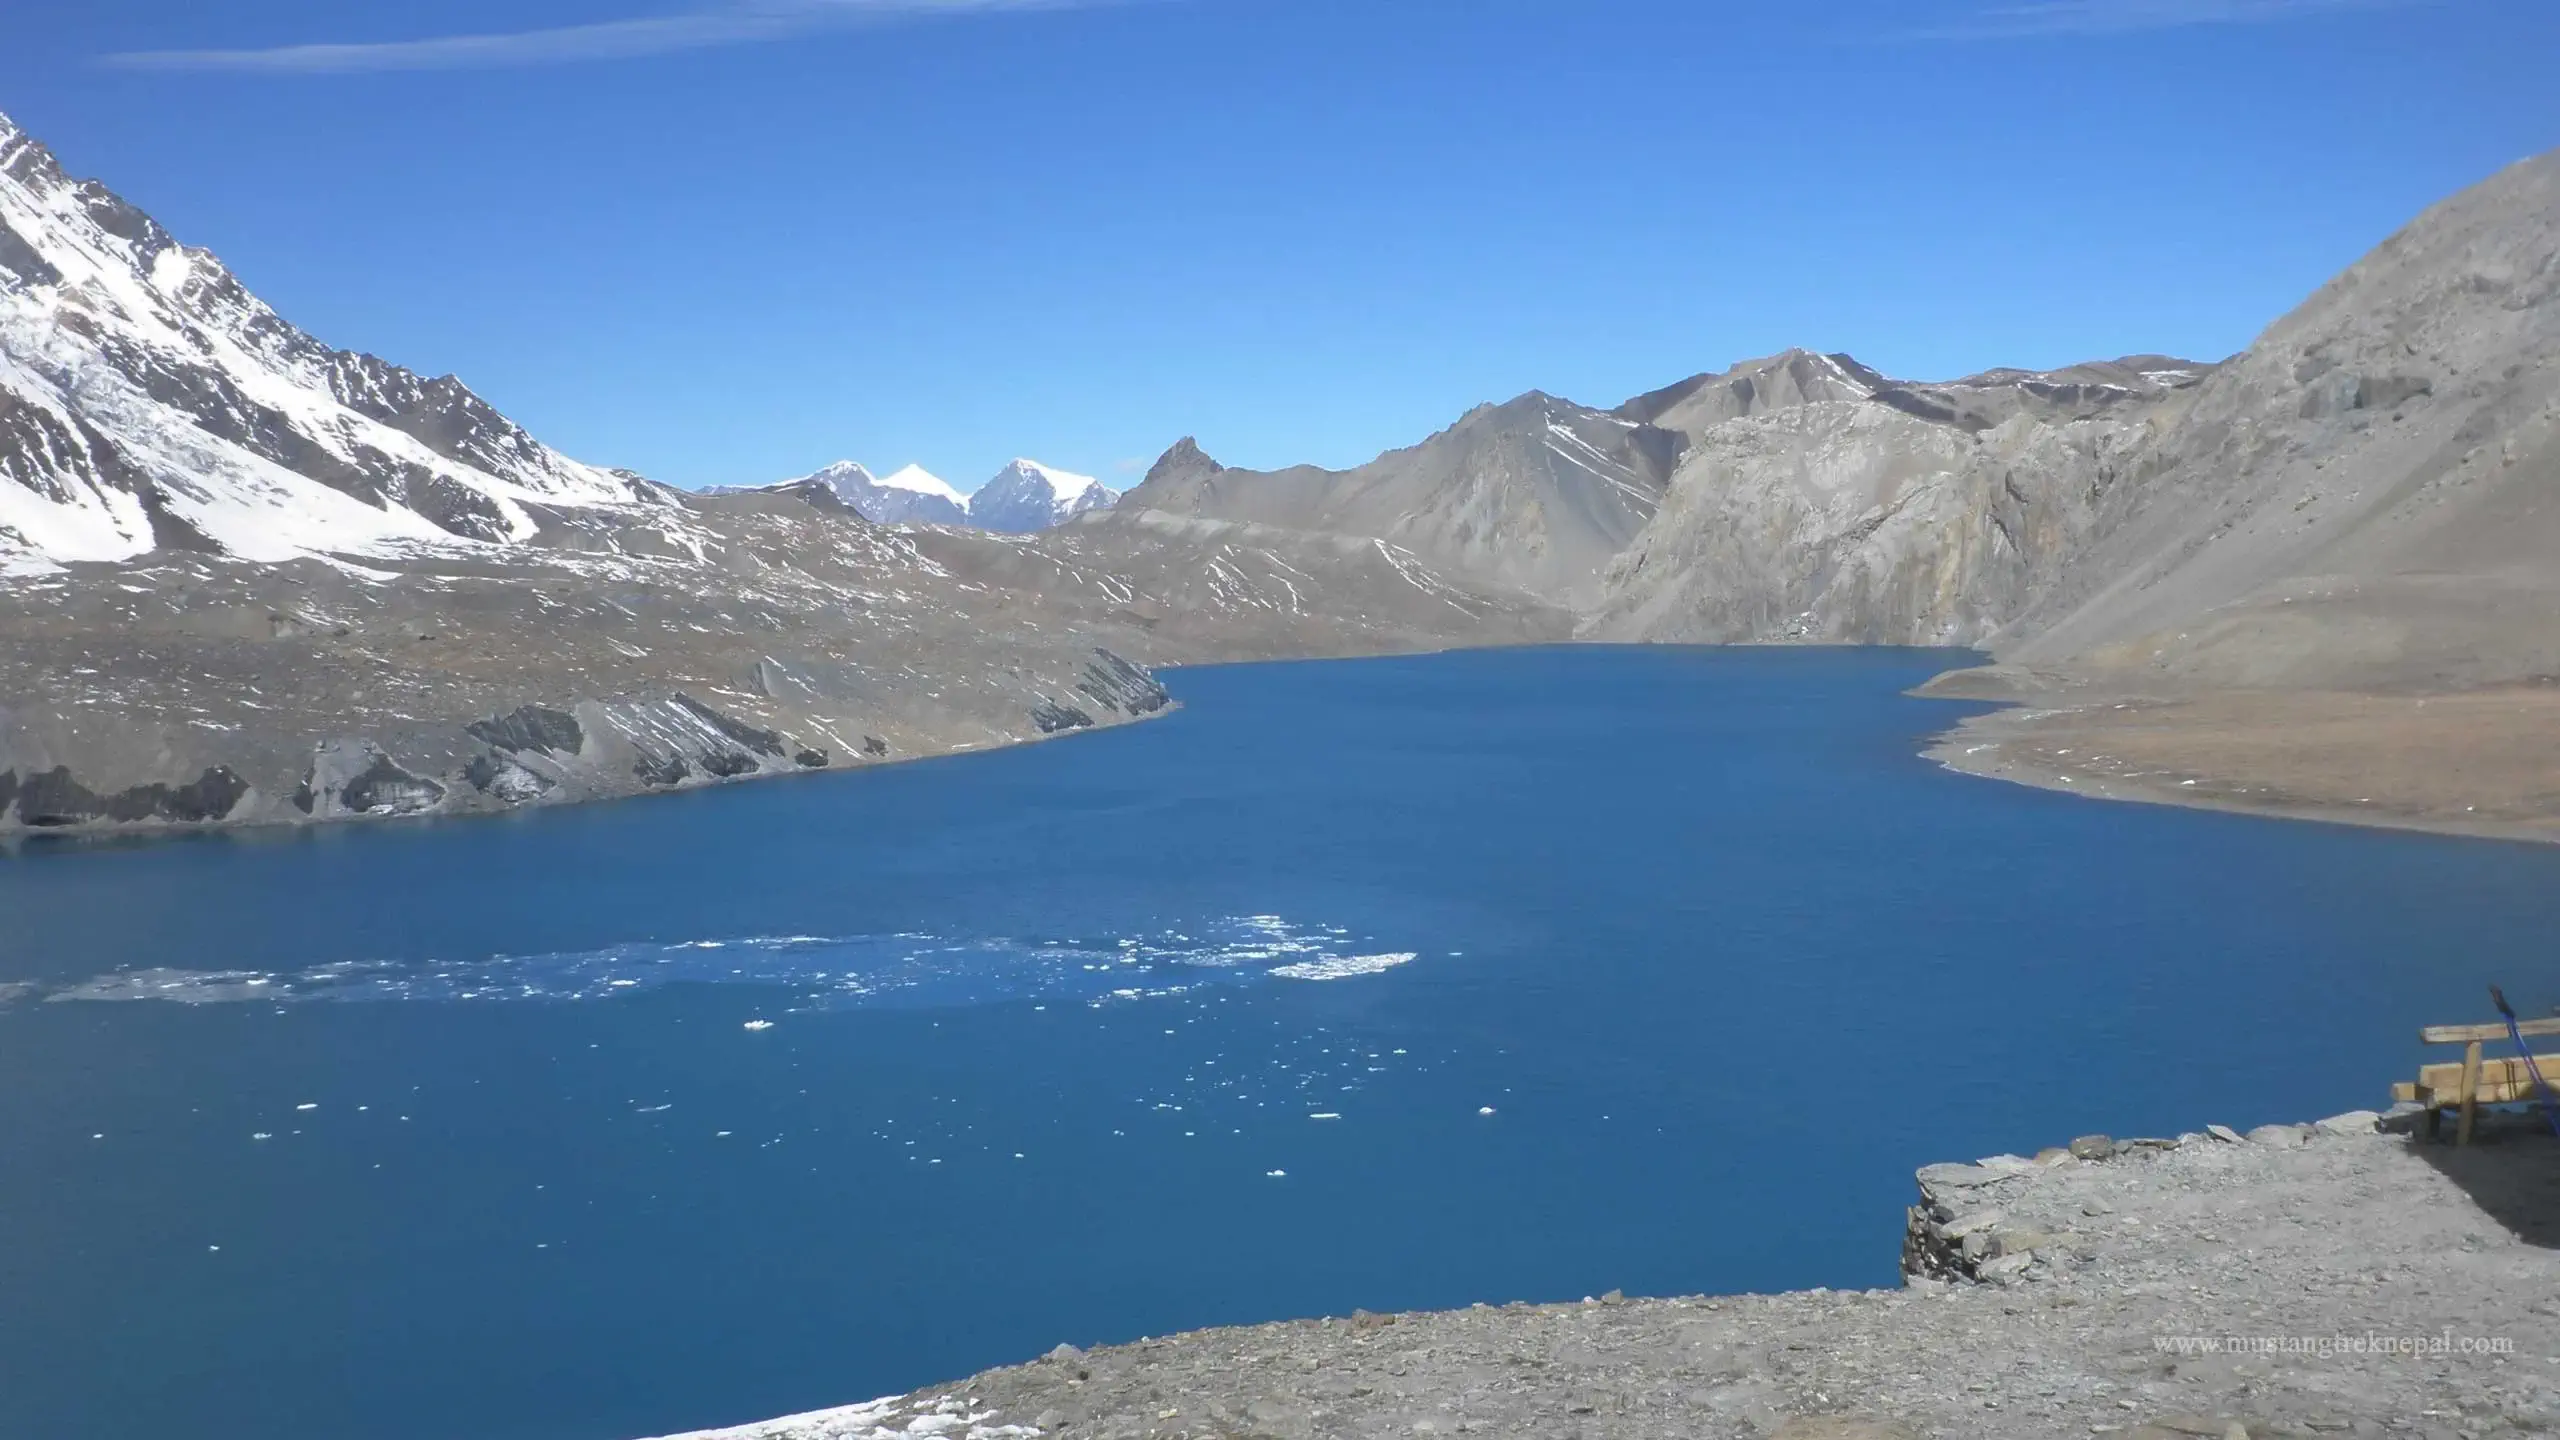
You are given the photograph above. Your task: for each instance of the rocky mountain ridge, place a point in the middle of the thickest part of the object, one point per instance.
(1024, 498)
(1535, 494)
(2363, 497)
(245, 577)
(1803, 496)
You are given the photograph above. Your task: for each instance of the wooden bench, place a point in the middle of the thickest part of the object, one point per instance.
(2471, 1082)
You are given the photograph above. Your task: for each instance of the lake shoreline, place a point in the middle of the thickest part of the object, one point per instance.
(2223, 762)
(2476, 768)
(2043, 1296)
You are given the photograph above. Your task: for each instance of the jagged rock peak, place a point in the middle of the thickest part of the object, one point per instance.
(1185, 461)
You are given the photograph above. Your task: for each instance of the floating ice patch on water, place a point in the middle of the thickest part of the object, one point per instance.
(194, 987)
(825, 973)
(1342, 968)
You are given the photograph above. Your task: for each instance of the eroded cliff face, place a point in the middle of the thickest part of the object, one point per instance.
(1912, 515)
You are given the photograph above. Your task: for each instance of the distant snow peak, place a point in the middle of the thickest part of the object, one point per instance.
(924, 482)
(1026, 496)
(912, 496)
(845, 472)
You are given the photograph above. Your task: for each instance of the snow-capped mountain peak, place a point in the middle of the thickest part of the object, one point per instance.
(846, 473)
(1027, 495)
(148, 400)
(912, 496)
(918, 479)
(1066, 485)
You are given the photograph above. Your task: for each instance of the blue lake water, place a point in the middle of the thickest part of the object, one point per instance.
(460, 1131)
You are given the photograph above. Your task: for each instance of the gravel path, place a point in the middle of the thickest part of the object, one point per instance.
(2073, 1275)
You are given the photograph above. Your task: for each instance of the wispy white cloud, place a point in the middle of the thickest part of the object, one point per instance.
(2127, 17)
(733, 22)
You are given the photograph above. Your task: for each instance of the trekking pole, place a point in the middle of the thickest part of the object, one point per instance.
(2515, 1031)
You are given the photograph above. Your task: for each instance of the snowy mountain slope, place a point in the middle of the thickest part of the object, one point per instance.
(149, 401)
(1027, 496)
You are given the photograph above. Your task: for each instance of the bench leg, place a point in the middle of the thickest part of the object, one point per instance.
(2435, 1122)
(2470, 1092)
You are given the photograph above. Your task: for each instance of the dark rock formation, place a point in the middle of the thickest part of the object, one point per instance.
(383, 788)
(52, 799)
(1115, 684)
(1052, 718)
(535, 728)
(661, 770)
(762, 742)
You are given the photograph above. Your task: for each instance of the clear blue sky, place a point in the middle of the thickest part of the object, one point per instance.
(730, 240)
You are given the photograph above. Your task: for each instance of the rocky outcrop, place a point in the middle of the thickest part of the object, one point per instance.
(1115, 684)
(55, 799)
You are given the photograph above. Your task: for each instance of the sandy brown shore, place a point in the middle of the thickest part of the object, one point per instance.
(2477, 762)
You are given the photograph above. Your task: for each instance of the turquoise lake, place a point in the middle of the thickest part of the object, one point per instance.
(1396, 984)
